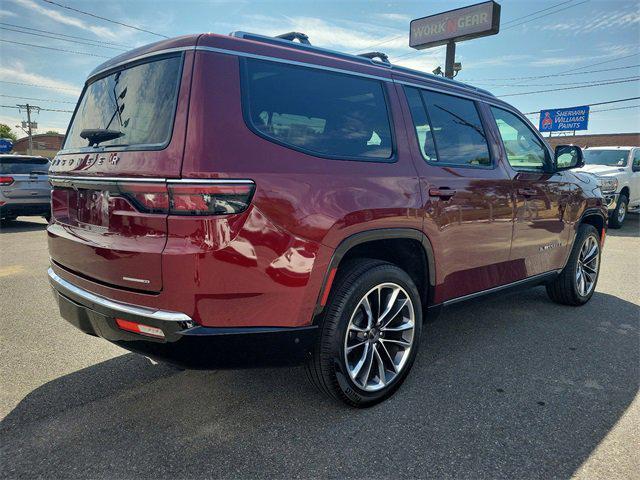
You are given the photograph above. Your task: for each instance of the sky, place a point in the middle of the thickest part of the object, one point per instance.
(564, 42)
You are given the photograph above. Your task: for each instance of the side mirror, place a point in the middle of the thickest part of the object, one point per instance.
(567, 157)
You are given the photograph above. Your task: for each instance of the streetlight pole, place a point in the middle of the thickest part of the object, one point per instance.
(450, 60)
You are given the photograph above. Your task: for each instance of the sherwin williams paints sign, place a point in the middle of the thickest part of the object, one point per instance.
(558, 120)
(464, 23)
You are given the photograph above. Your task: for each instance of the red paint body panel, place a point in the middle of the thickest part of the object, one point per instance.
(266, 266)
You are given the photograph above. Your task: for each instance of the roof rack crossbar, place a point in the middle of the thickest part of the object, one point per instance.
(373, 55)
(291, 36)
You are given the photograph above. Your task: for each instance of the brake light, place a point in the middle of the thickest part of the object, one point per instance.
(6, 180)
(140, 328)
(190, 199)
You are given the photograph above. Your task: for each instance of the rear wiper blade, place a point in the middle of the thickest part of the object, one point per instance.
(98, 135)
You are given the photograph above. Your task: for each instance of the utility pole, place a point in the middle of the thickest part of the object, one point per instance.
(29, 130)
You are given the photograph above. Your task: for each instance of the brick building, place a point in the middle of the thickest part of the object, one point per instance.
(44, 144)
(601, 140)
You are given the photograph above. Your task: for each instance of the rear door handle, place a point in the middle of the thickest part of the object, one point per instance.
(442, 192)
(527, 192)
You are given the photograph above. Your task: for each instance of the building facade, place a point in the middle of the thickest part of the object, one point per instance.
(44, 144)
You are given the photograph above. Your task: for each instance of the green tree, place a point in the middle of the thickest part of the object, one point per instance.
(5, 132)
(51, 132)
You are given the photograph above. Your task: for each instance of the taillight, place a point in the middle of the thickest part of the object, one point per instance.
(190, 199)
(6, 180)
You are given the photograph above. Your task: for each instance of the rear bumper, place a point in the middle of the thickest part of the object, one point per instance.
(19, 209)
(185, 344)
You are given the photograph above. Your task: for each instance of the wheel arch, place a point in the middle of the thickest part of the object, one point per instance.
(626, 192)
(376, 244)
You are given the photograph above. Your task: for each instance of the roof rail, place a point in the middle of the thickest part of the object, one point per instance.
(371, 55)
(368, 58)
(291, 36)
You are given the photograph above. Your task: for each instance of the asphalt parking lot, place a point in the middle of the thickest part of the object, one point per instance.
(510, 387)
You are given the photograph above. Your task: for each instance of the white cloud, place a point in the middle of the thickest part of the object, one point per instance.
(7, 13)
(330, 35)
(68, 20)
(613, 20)
(394, 17)
(17, 73)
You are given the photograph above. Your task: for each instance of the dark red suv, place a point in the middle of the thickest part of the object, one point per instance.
(229, 201)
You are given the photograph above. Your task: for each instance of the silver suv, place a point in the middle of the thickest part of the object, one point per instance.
(24, 187)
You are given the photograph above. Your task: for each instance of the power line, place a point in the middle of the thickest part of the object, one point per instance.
(38, 99)
(569, 88)
(608, 102)
(535, 13)
(602, 63)
(479, 80)
(63, 39)
(611, 109)
(41, 109)
(40, 86)
(64, 35)
(545, 15)
(551, 84)
(103, 18)
(52, 48)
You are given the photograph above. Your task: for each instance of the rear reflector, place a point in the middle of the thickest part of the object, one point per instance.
(140, 328)
(6, 180)
(187, 199)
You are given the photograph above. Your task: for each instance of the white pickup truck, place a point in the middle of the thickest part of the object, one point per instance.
(618, 172)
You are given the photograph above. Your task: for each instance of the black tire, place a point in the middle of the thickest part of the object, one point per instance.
(564, 288)
(618, 216)
(47, 217)
(327, 368)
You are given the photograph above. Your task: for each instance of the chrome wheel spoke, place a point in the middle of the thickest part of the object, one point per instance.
(402, 343)
(389, 358)
(358, 366)
(353, 347)
(381, 370)
(400, 328)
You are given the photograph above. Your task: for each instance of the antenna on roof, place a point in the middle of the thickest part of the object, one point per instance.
(371, 55)
(291, 36)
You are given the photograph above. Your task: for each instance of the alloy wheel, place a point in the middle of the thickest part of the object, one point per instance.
(587, 267)
(622, 212)
(379, 337)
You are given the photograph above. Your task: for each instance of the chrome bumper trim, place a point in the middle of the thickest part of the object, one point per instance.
(62, 285)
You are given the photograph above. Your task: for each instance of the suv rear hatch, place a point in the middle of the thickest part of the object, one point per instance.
(109, 181)
(23, 178)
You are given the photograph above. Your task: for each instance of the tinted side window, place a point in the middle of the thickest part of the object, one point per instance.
(459, 136)
(424, 134)
(636, 159)
(319, 112)
(525, 151)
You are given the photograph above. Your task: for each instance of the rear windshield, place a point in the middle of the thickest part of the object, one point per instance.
(18, 166)
(138, 101)
(611, 158)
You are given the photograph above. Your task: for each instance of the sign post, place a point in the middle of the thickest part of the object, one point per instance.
(447, 28)
(564, 119)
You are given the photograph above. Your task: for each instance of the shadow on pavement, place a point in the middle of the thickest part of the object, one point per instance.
(513, 387)
(24, 224)
(630, 227)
